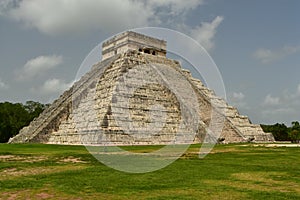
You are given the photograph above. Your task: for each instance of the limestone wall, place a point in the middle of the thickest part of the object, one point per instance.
(131, 41)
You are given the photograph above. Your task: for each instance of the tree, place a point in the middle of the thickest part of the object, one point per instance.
(283, 133)
(294, 136)
(294, 132)
(279, 131)
(296, 125)
(14, 116)
(34, 108)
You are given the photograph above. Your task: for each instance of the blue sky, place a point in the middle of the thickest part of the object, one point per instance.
(255, 44)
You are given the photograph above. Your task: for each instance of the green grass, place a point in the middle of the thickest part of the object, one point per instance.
(36, 171)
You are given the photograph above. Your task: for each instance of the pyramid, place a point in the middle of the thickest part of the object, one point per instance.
(138, 96)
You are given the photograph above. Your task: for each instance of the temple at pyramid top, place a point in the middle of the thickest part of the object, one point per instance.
(130, 40)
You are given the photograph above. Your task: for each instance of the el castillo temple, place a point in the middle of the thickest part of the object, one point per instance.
(137, 96)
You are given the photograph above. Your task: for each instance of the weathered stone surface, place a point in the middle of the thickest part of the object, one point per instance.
(130, 40)
(122, 100)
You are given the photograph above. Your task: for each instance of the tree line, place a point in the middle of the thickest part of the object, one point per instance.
(14, 116)
(283, 133)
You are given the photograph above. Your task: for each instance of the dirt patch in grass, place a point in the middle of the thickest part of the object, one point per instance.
(17, 158)
(11, 173)
(50, 194)
(192, 152)
(259, 181)
(44, 193)
(227, 150)
(185, 193)
(6, 157)
(71, 159)
(33, 159)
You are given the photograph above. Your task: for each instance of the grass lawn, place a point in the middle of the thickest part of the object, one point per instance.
(36, 171)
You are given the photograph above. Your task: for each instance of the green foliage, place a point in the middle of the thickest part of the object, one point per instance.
(294, 132)
(14, 116)
(279, 131)
(283, 133)
(34, 108)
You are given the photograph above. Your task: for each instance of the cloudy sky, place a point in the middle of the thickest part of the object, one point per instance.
(255, 44)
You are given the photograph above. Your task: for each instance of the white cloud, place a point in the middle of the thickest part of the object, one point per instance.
(38, 66)
(283, 108)
(3, 86)
(238, 99)
(175, 7)
(271, 101)
(277, 111)
(238, 96)
(70, 17)
(205, 33)
(6, 5)
(264, 55)
(54, 17)
(52, 87)
(286, 99)
(267, 55)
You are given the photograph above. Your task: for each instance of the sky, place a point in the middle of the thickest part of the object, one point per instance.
(255, 45)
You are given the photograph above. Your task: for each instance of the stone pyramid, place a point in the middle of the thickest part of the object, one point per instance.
(136, 95)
